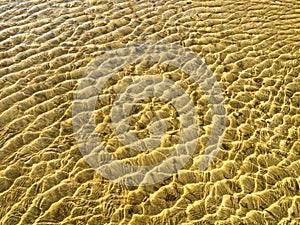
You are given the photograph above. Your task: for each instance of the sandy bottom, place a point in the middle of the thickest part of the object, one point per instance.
(251, 46)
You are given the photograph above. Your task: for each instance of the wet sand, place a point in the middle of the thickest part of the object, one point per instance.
(253, 49)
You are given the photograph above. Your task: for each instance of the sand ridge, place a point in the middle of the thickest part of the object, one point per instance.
(252, 47)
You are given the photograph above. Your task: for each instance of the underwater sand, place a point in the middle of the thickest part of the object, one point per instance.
(253, 49)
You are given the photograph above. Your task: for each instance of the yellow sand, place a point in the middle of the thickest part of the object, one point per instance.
(253, 49)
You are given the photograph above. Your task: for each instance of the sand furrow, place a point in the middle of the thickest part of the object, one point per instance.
(252, 48)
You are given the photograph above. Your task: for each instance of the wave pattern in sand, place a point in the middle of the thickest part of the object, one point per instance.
(252, 47)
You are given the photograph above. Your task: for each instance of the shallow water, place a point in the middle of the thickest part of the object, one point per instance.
(251, 48)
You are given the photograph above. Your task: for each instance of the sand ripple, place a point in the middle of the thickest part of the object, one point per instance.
(251, 46)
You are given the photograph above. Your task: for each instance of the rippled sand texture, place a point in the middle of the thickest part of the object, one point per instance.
(253, 48)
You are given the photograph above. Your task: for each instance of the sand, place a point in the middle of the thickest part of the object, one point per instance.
(252, 48)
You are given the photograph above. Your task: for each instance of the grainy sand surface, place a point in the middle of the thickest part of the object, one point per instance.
(253, 49)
